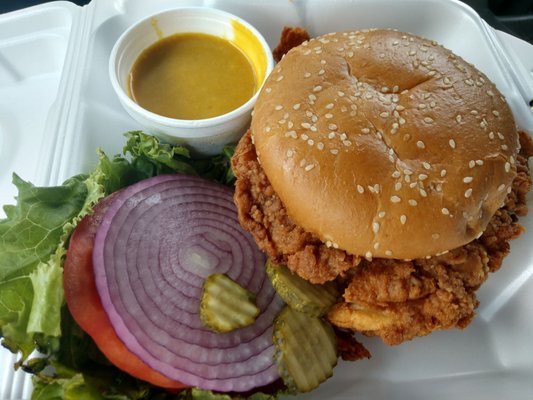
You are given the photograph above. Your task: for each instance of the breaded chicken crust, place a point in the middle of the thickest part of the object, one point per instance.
(393, 299)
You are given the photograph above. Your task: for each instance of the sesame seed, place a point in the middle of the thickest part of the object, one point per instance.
(395, 199)
(303, 136)
(320, 146)
(468, 193)
(305, 125)
(307, 74)
(328, 115)
(317, 88)
(471, 163)
(507, 167)
(322, 62)
(332, 127)
(309, 114)
(350, 54)
(495, 113)
(296, 106)
(423, 193)
(426, 165)
(375, 227)
(309, 167)
(428, 120)
(384, 114)
(504, 147)
(490, 93)
(398, 186)
(368, 95)
(314, 118)
(500, 135)
(321, 72)
(468, 179)
(329, 106)
(384, 89)
(388, 253)
(278, 107)
(365, 130)
(340, 93)
(407, 172)
(376, 245)
(412, 202)
(368, 255)
(381, 214)
(501, 187)
(311, 98)
(268, 90)
(347, 143)
(422, 177)
(290, 153)
(290, 125)
(400, 108)
(445, 211)
(279, 78)
(334, 151)
(302, 162)
(420, 144)
(313, 128)
(310, 142)
(360, 189)
(402, 121)
(421, 106)
(403, 219)
(396, 174)
(451, 142)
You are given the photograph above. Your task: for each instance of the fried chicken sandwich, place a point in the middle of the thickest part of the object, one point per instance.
(383, 161)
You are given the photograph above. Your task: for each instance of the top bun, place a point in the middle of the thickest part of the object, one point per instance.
(385, 144)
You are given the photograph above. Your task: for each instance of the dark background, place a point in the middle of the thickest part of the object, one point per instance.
(511, 16)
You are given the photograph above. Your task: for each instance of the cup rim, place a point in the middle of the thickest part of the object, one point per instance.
(187, 124)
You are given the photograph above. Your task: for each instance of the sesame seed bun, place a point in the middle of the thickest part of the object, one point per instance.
(385, 144)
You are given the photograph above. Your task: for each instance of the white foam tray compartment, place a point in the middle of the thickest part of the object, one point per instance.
(64, 109)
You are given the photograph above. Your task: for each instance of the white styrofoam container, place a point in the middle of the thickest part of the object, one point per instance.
(57, 106)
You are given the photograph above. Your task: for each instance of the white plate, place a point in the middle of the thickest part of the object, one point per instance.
(53, 117)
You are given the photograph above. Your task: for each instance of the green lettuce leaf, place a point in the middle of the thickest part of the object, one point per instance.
(28, 237)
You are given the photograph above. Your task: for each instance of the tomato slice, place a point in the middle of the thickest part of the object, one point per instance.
(84, 303)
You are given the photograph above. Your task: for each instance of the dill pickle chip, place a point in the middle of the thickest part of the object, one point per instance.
(302, 295)
(226, 305)
(306, 349)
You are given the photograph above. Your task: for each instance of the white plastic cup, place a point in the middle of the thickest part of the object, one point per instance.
(204, 137)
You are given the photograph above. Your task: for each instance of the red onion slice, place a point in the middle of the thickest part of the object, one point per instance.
(159, 240)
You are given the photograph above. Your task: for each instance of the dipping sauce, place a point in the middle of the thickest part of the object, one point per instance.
(192, 76)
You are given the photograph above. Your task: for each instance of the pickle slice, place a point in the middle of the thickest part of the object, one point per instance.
(226, 305)
(302, 295)
(306, 349)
